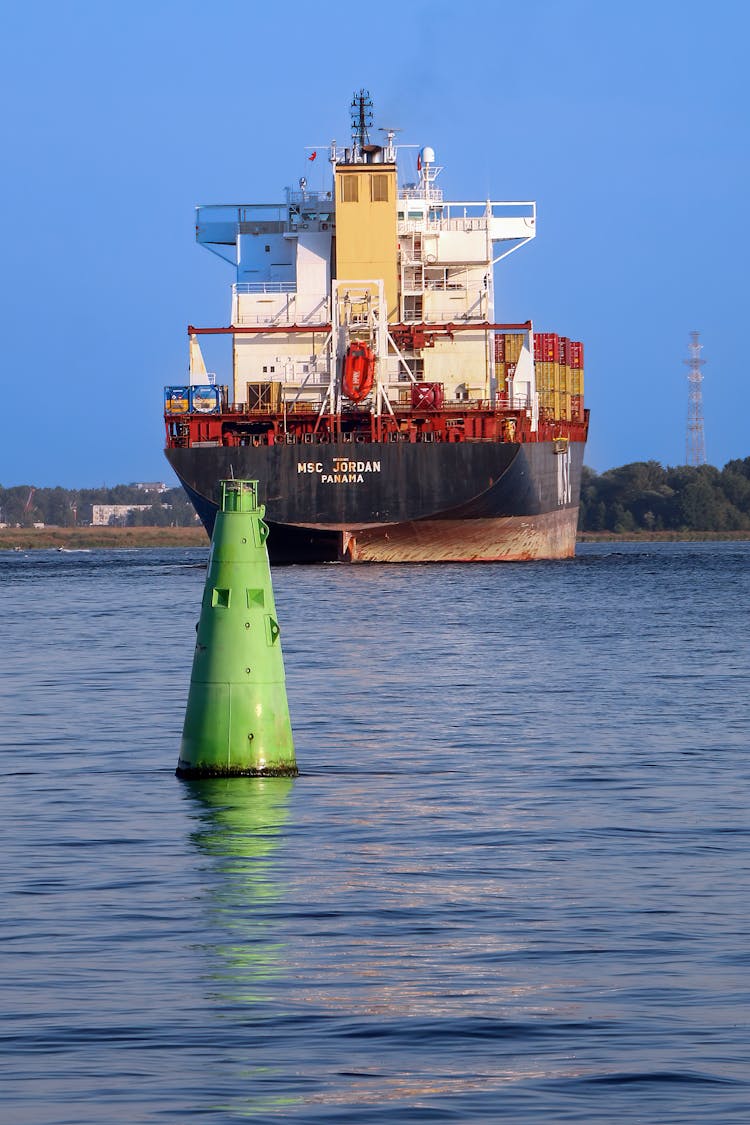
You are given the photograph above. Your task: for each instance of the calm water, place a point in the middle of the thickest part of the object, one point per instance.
(511, 884)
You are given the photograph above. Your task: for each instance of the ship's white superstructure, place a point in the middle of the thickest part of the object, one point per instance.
(298, 301)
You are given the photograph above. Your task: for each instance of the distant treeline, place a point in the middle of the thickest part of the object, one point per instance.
(24, 506)
(646, 497)
(643, 496)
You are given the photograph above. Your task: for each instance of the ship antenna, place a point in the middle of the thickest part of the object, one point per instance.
(390, 151)
(361, 111)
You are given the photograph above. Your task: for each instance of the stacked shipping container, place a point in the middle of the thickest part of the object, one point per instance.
(576, 380)
(558, 363)
(507, 351)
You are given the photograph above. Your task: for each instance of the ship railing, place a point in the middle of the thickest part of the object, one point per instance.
(307, 406)
(512, 402)
(309, 196)
(263, 226)
(264, 287)
(420, 226)
(281, 320)
(435, 195)
(443, 286)
(243, 212)
(318, 387)
(246, 321)
(460, 406)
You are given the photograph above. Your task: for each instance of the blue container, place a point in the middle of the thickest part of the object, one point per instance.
(205, 399)
(176, 400)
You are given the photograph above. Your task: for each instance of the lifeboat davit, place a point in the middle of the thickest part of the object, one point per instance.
(359, 372)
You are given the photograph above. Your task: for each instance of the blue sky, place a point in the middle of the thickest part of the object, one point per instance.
(628, 124)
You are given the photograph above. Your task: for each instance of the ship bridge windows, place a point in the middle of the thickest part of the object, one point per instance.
(376, 183)
(379, 188)
(310, 218)
(349, 189)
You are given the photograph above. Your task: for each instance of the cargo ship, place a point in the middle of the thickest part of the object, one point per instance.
(386, 412)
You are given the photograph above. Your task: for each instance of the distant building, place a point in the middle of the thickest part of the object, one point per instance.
(104, 515)
(151, 486)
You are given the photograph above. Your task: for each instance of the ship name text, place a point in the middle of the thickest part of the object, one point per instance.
(342, 471)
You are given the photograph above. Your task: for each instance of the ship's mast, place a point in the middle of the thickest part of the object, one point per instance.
(361, 111)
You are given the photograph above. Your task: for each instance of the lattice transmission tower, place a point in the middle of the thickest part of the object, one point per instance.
(695, 445)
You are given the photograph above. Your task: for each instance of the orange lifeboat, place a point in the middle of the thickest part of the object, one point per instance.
(359, 372)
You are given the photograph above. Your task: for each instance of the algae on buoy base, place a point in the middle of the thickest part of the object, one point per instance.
(237, 718)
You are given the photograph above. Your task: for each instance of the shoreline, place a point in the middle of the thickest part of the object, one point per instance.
(95, 538)
(661, 536)
(91, 538)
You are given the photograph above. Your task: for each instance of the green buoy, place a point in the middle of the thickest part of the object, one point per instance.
(237, 718)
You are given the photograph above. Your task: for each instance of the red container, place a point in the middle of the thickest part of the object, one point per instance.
(564, 350)
(499, 348)
(549, 347)
(426, 396)
(576, 354)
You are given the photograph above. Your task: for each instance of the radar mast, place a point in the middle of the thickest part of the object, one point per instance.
(361, 111)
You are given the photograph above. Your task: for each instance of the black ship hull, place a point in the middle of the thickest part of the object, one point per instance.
(398, 501)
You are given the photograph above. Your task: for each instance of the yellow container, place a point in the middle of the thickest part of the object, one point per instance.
(513, 345)
(547, 401)
(500, 378)
(545, 375)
